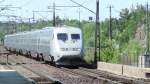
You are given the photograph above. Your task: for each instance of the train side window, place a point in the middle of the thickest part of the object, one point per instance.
(62, 36)
(75, 36)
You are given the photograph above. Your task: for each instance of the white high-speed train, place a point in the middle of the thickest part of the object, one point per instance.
(60, 45)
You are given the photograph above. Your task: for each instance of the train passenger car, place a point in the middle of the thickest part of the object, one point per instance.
(60, 45)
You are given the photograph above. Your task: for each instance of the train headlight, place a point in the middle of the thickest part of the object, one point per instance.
(78, 49)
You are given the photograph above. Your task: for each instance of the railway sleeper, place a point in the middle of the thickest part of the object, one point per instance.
(91, 75)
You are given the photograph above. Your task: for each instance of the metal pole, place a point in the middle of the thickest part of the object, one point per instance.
(79, 18)
(15, 24)
(7, 58)
(33, 16)
(110, 23)
(147, 52)
(96, 31)
(54, 19)
(21, 24)
(29, 23)
(9, 24)
(99, 34)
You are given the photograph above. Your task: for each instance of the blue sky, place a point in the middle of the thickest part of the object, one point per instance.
(27, 6)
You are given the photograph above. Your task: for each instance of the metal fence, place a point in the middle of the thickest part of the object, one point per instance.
(125, 59)
(128, 60)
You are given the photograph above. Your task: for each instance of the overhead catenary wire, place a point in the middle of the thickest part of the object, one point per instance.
(38, 12)
(25, 4)
(83, 7)
(42, 16)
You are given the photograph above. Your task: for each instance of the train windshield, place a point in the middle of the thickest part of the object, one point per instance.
(62, 36)
(75, 36)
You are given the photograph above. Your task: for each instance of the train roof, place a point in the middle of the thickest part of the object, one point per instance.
(63, 27)
(47, 28)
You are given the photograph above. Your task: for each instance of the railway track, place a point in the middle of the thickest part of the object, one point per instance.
(111, 76)
(52, 72)
(48, 74)
(41, 79)
(95, 76)
(105, 77)
(91, 75)
(62, 74)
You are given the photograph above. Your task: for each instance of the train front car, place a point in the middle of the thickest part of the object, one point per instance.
(69, 46)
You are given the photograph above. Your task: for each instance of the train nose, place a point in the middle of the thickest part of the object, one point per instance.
(70, 51)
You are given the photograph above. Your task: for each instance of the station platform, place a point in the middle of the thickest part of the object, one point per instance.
(12, 77)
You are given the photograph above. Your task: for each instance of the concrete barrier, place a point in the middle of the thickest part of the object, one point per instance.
(126, 70)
